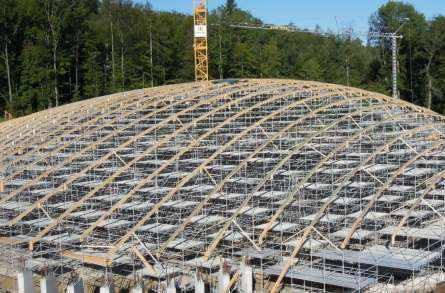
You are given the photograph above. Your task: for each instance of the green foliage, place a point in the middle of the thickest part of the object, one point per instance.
(412, 51)
(65, 50)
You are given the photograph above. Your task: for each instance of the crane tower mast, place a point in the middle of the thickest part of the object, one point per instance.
(200, 40)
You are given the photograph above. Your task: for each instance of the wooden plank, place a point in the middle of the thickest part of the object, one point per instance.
(384, 187)
(345, 180)
(319, 165)
(125, 97)
(205, 163)
(147, 265)
(85, 258)
(79, 153)
(238, 167)
(66, 112)
(162, 167)
(11, 240)
(72, 178)
(128, 165)
(269, 175)
(56, 138)
(232, 281)
(430, 185)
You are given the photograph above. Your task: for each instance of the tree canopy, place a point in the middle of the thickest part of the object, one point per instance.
(57, 51)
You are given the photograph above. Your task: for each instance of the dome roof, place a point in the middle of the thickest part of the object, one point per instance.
(218, 168)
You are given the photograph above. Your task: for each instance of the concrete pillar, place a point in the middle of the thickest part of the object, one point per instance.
(171, 288)
(109, 288)
(25, 282)
(138, 289)
(199, 285)
(48, 284)
(440, 287)
(75, 287)
(223, 280)
(246, 282)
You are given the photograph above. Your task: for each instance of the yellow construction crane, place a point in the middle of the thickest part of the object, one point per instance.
(200, 37)
(200, 44)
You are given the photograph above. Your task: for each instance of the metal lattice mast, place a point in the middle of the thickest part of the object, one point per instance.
(395, 93)
(200, 43)
(393, 37)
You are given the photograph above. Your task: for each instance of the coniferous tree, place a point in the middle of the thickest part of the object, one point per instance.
(55, 52)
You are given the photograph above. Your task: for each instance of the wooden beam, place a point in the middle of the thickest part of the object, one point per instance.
(12, 240)
(136, 159)
(430, 185)
(85, 258)
(207, 161)
(66, 112)
(89, 131)
(103, 159)
(163, 166)
(384, 187)
(147, 265)
(269, 175)
(218, 187)
(315, 169)
(94, 164)
(232, 281)
(345, 181)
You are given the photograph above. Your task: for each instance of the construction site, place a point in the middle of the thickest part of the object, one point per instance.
(231, 185)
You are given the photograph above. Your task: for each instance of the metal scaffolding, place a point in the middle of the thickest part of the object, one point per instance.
(315, 186)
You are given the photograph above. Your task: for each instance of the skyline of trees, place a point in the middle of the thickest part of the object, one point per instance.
(58, 51)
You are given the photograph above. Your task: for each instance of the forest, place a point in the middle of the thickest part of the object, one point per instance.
(58, 51)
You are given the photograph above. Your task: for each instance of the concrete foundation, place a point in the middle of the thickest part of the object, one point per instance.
(137, 289)
(24, 282)
(76, 287)
(223, 280)
(199, 285)
(107, 289)
(48, 285)
(246, 281)
(171, 287)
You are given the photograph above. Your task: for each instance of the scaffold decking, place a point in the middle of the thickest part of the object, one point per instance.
(314, 186)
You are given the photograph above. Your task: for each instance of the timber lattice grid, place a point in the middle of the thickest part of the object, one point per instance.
(316, 186)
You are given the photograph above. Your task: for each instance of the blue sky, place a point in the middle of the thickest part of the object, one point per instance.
(329, 14)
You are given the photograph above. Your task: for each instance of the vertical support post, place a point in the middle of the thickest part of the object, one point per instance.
(75, 287)
(246, 282)
(48, 284)
(223, 278)
(24, 282)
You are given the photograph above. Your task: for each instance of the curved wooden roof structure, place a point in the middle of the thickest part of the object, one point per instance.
(265, 169)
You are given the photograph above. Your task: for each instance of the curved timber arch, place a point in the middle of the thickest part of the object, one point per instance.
(181, 175)
(139, 157)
